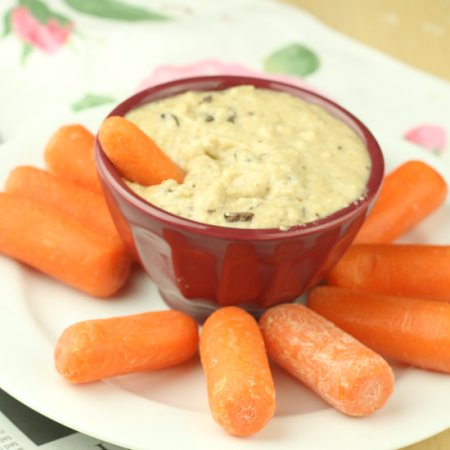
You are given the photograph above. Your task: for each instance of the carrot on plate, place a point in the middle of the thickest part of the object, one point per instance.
(70, 154)
(345, 373)
(82, 204)
(239, 382)
(96, 349)
(135, 155)
(410, 270)
(409, 194)
(56, 244)
(410, 330)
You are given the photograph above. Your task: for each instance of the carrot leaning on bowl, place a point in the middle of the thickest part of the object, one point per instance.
(410, 270)
(135, 155)
(411, 330)
(61, 247)
(345, 373)
(239, 382)
(96, 349)
(82, 204)
(70, 154)
(409, 194)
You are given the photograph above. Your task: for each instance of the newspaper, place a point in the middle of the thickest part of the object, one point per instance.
(22, 428)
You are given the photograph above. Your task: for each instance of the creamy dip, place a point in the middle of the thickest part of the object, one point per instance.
(253, 158)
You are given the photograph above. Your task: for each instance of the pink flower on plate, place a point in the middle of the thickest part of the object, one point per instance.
(48, 38)
(431, 137)
(208, 67)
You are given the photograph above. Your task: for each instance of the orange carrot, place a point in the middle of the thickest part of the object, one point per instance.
(410, 330)
(97, 349)
(82, 204)
(239, 382)
(70, 154)
(409, 270)
(59, 246)
(409, 194)
(344, 372)
(135, 155)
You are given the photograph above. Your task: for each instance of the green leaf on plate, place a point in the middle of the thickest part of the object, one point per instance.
(295, 59)
(26, 51)
(91, 100)
(7, 28)
(42, 12)
(113, 9)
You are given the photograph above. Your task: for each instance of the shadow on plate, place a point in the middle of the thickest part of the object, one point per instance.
(184, 387)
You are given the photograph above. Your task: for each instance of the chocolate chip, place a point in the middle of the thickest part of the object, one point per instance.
(207, 99)
(170, 115)
(233, 115)
(238, 217)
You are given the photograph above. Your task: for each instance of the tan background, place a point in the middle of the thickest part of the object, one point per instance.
(414, 31)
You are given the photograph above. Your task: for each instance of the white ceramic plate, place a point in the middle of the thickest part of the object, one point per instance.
(168, 409)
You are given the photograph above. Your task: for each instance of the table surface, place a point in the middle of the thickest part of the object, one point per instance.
(413, 31)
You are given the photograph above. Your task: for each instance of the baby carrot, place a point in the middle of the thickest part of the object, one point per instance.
(345, 373)
(135, 155)
(97, 349)
(82, 204)
(59, 246)
(410, 330)
(239, 382)
(409, 194)
(409, 270)
(70, 154)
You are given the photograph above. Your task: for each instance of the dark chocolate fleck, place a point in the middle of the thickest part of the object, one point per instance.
(209, 118)
(233, 115)
(174, 117)
(207, 99)
(238, 216)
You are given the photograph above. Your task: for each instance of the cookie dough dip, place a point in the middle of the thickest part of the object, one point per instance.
(253, 158)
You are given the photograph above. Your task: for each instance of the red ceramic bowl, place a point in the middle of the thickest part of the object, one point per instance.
(199, 267)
